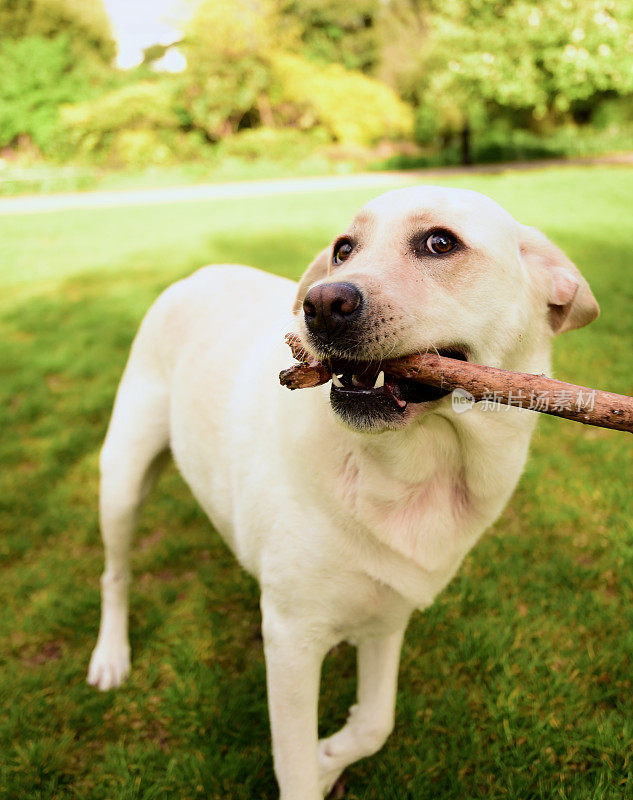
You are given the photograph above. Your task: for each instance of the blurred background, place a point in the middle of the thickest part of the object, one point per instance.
(205, 89)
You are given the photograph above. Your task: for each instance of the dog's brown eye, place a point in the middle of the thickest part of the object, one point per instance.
(342, 252)
(440, 243)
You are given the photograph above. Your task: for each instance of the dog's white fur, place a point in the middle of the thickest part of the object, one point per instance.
(347, 531)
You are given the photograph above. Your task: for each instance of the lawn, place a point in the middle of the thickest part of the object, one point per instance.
(516, 684)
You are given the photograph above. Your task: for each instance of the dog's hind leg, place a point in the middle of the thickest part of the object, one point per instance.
(133, 452)
(371, 720)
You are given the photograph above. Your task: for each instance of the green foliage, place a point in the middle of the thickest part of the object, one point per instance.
(84, 22)
(274, 144)
(135, 125)
(228, 76)
(143, 104)
(353, 72)
(242, 74)
(52, 52)
(539, 64)
(352, 107)
(337, 31)
(239, 29)
(221, 98)
(37, 75)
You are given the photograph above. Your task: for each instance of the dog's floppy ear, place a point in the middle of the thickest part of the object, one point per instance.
(318, 269)
(571, 303)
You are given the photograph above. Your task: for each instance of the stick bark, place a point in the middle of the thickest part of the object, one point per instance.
(488, 384)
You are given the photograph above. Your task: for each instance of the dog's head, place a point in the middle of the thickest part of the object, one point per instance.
(431, 269)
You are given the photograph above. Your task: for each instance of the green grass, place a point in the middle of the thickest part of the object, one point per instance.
(517, 683)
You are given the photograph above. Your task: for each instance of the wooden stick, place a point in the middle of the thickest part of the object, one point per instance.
(306, 375)
(495, 387)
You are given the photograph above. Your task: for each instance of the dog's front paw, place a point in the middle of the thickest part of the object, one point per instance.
(329, 768)
(109, 665)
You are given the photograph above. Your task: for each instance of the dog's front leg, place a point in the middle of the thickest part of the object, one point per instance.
(293, 667)
(371, 720)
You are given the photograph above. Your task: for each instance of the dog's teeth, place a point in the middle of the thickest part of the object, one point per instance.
(380, 380)
(355, 381)
(337, 381)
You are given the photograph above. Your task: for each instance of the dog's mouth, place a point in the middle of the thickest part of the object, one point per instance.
(370, 385)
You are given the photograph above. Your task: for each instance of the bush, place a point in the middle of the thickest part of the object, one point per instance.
(220, 97)
(37, 75)
(272, 144)
(135, 125)
(353, 108)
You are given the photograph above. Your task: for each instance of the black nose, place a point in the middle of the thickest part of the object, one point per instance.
(330, 307)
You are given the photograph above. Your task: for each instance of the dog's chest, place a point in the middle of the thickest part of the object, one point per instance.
(422, 520)
(421, 525)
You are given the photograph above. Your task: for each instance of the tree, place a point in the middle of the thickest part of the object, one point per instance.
(52, 52)
(84, 22)
(337, 31)
(228, 76)
(247, 68)
(37, 76)
(538, 64)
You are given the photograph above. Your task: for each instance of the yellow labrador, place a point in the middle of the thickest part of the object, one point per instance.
(354, 503)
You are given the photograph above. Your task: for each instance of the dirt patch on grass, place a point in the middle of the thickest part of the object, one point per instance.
(33, 656)
(152, 539)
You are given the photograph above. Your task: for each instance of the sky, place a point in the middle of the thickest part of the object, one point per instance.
(140, 23)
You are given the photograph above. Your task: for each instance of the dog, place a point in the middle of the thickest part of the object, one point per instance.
(353, 503)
